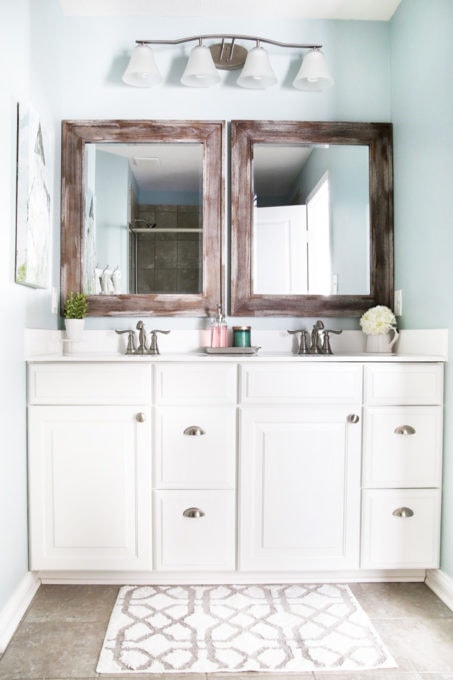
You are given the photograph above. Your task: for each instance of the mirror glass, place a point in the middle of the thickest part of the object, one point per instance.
(144, 218)
(142, 215)
(311, 218)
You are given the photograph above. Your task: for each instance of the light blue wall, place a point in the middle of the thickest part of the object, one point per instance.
(422, 113)
(20, 307)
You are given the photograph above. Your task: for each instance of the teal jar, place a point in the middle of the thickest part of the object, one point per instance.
(241, 336)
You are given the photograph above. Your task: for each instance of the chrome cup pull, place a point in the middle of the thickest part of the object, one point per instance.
(403, 512)
(194, 431)
(193, 513)
(404, 429)
(353, 418)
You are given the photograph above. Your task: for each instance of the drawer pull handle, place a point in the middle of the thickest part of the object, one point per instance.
(194, 431)
(193, 513)
(404, 429)
(403, 512)
(353, 418)
(140, 417)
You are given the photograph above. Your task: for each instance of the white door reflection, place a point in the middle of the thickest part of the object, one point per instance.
(292, 246)
(280, 250)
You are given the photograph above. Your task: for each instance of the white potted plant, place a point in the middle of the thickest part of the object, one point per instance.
(75, 309)
(379, 326)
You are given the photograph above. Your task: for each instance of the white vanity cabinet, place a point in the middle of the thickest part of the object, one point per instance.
(300, 443)
(195, 466)
(234, 469)
(402, 459)
(89, 466)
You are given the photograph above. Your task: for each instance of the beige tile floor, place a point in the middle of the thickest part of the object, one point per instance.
(61, 635)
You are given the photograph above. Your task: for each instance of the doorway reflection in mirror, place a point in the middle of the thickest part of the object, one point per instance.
(311, 219)
(146, 215)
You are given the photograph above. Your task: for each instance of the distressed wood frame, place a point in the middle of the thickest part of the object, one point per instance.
(378, 137)
(77, 133)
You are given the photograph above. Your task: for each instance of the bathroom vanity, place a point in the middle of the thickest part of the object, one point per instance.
(196, 468)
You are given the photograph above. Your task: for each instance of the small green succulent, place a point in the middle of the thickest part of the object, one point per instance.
(76, 306)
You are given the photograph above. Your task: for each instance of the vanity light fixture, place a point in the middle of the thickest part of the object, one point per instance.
(257, 73)
(201, 69)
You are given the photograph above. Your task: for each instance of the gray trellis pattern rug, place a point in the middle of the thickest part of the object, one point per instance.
(206, 629)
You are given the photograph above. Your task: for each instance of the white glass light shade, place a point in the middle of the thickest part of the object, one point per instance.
(257, 73)
(313, 75)
(142, 70)
(200, 70)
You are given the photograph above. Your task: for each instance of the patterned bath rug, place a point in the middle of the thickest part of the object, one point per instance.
(218, 628)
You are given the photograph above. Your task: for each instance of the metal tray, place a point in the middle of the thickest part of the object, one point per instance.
(231, 350)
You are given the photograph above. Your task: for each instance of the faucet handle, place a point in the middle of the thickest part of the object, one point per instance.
(153, 348)
(130, 349)
(326, 348)
(303, 347)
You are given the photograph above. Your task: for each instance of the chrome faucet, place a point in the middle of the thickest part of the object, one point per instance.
(142, 342)
(320, 339)
(319, 342)
(143, 346)
(316, 338)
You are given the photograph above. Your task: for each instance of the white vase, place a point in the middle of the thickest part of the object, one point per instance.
(74, 329)
(379, 344)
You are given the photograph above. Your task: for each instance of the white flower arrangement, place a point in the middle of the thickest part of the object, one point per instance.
(378, 320)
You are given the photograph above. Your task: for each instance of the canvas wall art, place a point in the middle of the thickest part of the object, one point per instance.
(33, 201)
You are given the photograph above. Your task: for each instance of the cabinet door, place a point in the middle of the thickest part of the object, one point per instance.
(90, 487)
(299, 501)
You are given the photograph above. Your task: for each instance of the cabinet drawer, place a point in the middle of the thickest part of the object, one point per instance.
(312, 384)
(402, 446)
(404, 384)
(195, 383)
(195, 447)
(390, 541)
(89, 383)
(203, 543)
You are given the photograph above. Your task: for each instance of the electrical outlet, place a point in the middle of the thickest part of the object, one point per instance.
(334, 284)
(398, 303)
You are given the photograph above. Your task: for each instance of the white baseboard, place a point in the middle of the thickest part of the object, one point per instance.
(441, 584)
(16, 607)
(185, 577)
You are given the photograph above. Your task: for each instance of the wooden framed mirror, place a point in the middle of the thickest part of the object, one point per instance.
(135, 244)
(311, 218)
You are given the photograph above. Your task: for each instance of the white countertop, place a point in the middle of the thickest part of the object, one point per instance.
(183, 346)
(235, 358)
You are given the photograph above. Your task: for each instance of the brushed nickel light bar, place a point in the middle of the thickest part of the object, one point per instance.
(204, 63)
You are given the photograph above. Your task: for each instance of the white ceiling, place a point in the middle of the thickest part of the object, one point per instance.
(371, 10)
